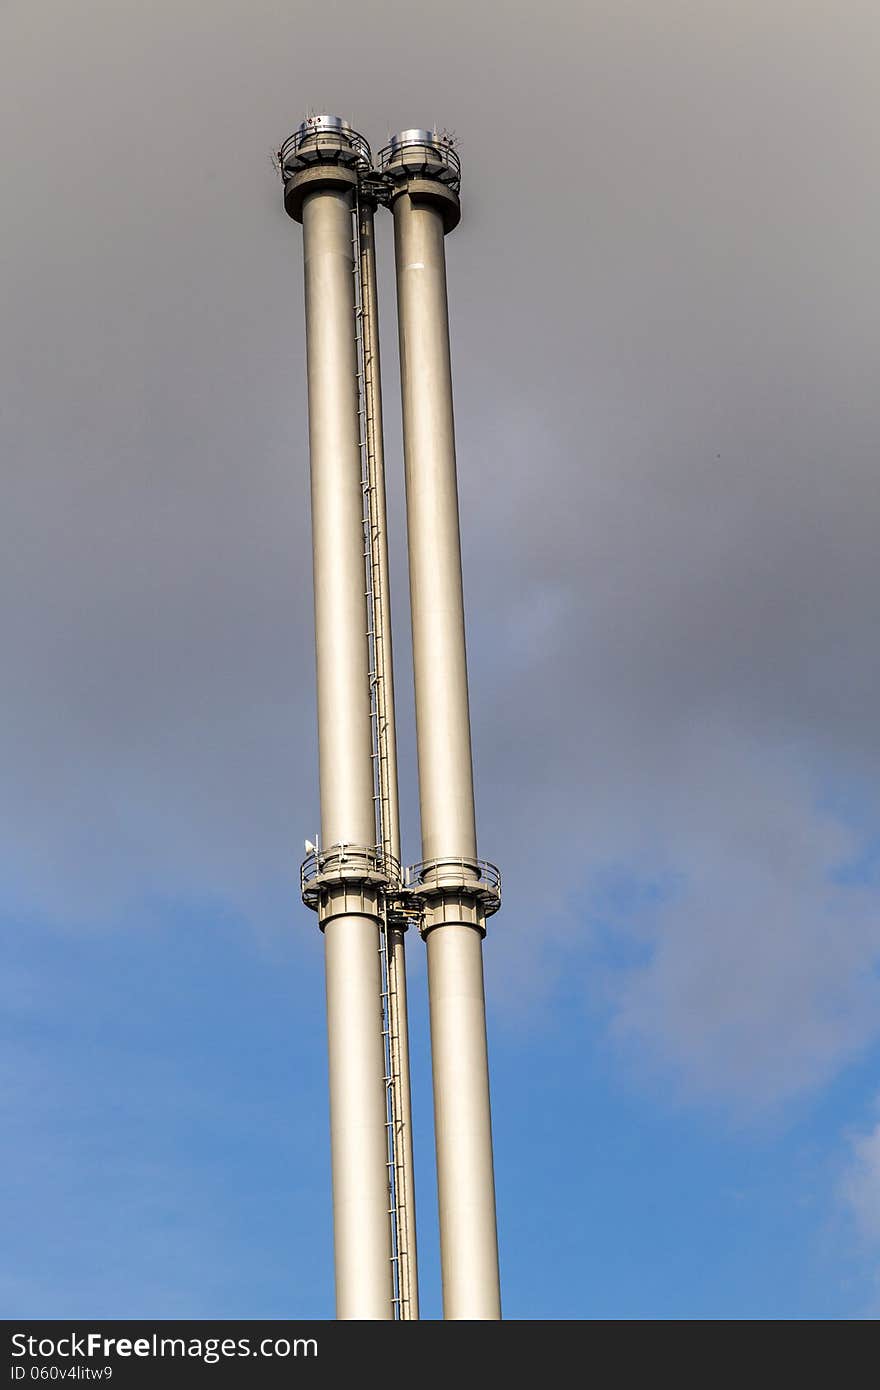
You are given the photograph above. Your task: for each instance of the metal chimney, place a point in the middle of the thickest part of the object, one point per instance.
(348, 878)
(354, 879)
(457, 890)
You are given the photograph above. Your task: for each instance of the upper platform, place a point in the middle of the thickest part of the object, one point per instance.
(326, 152)
(323, 140)
(424, 154)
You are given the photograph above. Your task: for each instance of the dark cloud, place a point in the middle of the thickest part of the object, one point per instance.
(666, 352)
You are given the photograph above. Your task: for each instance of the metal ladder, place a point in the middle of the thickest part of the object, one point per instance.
(384, 765)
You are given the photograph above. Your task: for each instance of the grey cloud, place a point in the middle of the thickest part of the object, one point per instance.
(666, 351)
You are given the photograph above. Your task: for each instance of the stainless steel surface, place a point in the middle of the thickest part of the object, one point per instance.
(361, 1231)
(463, 1129)
(324, 121)
(446, 792)
(362, 1236)
(411, 137)
(463, 1132)
(344, 729)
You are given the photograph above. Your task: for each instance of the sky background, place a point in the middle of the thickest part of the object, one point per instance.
(666, 344)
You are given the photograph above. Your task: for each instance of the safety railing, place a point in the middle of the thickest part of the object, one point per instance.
(347, 863)
(318, 141)
(422, 153)
(478, 878)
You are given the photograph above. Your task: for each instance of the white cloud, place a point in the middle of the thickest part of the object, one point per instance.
(860, 1186)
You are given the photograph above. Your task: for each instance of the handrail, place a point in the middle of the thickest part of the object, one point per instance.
(403, 154)
(314, 144)
(456, 874)
(354, 863)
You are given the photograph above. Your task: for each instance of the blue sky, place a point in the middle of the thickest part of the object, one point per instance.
(665, 348)
(167, 1155)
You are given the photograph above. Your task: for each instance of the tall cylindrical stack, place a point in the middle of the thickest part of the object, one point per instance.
(423, 172)
(354, 879)
(321, 196)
